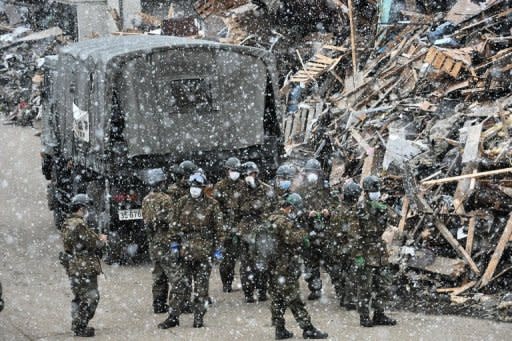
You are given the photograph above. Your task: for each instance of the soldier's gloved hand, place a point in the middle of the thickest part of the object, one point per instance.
(359, 261)
(306, 242)
(175, 248)
(218, 255)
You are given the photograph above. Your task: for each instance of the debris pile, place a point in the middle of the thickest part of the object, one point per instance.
(21, 76)
(428, 107)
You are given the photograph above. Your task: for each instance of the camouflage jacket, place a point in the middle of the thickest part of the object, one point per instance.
(84, 245)
(254, 207)
(289, 236)
(200, 225)
(156, 208)
(227, 192)
(316, 198)
(367, 239)
(176, 192)
(343, 225)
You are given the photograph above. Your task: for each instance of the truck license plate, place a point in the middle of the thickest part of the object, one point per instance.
(130, 214)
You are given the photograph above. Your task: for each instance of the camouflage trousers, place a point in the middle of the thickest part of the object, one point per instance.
(85, 300)
(183, 275)
(313, 260)
(286, 294)
(160, 287)
(254, 274)
(231, 254)
(339, 267)
(372, 281)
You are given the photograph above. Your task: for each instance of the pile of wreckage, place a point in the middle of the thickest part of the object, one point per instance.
(424, 101)
(429, 109)
(22, 58)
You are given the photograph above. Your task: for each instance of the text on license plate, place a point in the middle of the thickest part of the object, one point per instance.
(130, 214)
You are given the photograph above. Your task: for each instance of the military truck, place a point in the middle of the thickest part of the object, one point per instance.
(116, 107)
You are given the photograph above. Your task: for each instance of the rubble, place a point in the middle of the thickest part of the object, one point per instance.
(426, 103)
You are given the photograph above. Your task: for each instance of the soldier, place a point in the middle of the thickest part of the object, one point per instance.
(177, 191)
(156, 207)
(197, 221)
(255, 204)
(344, 222)
(285, 175)
(317, 203)
(81, 259)
(292, 239)
(227, 192)
(370, 256)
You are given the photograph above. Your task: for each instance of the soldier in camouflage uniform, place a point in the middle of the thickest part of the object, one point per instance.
(292, 239)
(255, 203)
(317, 205)
(177, 191)
(197, 221)
(1, 299)
(285, 175)
(81, 260)
(227, 193)
(370, 256)
(339, 264)
(156, 207)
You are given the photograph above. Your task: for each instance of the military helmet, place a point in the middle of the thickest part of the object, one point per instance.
(250, 167)
(313, 165)
(351, 190)
(286, 171)
(80, 200)
(232, 163)
(198, 179)
(187, 168)
(153, 177)
(295, 200)
(371, 184)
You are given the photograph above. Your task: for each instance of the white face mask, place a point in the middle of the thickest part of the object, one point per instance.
(374, 196)
(292, 215)
(86, 214)
(312, 177)
(251, 181)
(234, 175)
(195, 192)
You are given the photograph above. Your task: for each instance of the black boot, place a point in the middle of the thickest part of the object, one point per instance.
(314, 295)
(313, 333)
(170, 322)
(84, 331)
(365, 321)
(249, 298)
(187, 308)
(262, 296)
(282, 333)
(160, 308)
(198, 321)
(350, 306)
(379, 319)
(226, 287)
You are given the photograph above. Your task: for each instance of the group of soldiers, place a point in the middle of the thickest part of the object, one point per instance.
(272, 229)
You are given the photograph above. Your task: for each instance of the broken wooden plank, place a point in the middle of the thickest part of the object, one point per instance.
(361, 141)
(498, 252)
(424, 259)
(467, 176)
(471, 235)
(457, 290)
(455, 244)
(403, 213)
(470, 154)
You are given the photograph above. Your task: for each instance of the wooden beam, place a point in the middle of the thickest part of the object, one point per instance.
(361, 141)
(352, 39)
(458, 290)
(467, 176)
(405, 210)
(455, 244)
(471, 235)
(498, 252)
